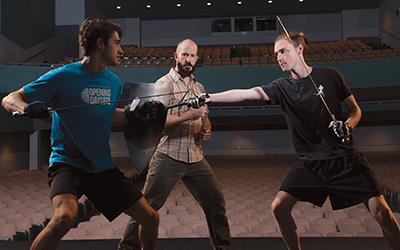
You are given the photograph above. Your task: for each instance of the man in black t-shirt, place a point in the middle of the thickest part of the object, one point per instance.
(329, 163)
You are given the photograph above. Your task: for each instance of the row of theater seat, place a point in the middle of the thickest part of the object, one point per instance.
(354, 48)
(249, 184)
(259, 60)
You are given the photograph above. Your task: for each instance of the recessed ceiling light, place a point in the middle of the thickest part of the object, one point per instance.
(239, 3)
(178, 5)
(269, 1)
(119, 7)
(301, 1)
(209, 4)
(148, 6)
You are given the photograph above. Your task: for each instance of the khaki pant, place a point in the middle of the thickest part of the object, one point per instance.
(200, 180)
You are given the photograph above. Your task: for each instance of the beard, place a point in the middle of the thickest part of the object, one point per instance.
(184, 72)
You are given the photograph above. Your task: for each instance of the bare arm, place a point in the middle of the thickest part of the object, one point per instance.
(354, 111)
(238, 95)
(191, 113)
(15, 101)
(206, 128)
(118, 117)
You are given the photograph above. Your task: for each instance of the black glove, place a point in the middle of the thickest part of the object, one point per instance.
(149, 114)
(37, 109)
(341, 129)
(150, 109)
(198, 101)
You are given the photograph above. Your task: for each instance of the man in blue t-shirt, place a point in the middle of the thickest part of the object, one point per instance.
(83, 95)
(329, 163)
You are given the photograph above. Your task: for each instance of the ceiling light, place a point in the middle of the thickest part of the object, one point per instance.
(208, 4)
(239, 3)
(301, 1)
(178, 5)
(148, 6)
(119, 7)
(269, 1)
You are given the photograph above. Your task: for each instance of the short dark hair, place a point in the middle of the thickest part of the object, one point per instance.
(297, 38)
(92, 29)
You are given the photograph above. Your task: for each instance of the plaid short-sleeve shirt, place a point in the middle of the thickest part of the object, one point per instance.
(182, 141)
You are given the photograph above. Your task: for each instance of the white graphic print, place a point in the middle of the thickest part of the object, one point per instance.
(96, 95)
(320, 91)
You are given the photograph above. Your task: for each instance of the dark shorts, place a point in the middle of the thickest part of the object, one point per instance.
(347, 181)
(110, 191)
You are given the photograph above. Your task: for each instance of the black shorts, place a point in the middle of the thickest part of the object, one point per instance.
(110, 191)
(347, 181)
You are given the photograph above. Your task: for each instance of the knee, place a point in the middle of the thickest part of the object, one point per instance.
(154, 219)
(381, 214)
(278, 209)
(64, 220)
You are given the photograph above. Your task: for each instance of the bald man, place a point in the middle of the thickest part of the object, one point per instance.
(179, 155)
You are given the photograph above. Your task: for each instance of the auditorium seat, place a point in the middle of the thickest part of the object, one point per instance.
(235, 217)
(23, 225)
(75, 233)
(247, 211)
(7, 231)
(263, 229)
(235, 229)
(115, 225)
(348, 221)
(107, 232)
(188, 217)
(37, 219)
(303, 222)
(92, 237)
(169, 223)
(249, 223)
(353, 229)
(323, 229)
(195, 223)
(202, 230)
(12, 215)
(27, 210)
(339, 234)
(89, 225)
(177, 231)
(369, 234)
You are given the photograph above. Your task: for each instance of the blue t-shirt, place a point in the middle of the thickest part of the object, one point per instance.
(80, 135)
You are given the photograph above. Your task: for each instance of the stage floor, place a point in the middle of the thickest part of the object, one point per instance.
(265, 243)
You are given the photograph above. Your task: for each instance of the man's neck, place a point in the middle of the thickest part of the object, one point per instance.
(90, 63)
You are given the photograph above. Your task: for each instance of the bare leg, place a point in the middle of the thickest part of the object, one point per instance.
(381, 212)
(65, 209)
(282, 208)
(148, 220)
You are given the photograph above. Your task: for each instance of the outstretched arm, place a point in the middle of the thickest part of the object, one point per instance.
(238, 95)
(15, 101)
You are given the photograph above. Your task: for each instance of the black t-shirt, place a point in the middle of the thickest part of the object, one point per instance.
(306, 115)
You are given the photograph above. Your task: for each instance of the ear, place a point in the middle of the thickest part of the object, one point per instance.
(300, 49)
(100, 44)
(176, 56)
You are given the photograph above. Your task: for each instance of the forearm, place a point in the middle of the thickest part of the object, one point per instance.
(176, 119)
(239, 95)
(234, 95)
(353, 110)
(15, 101)
(354, 117)
(206, 125)
(118, 117)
